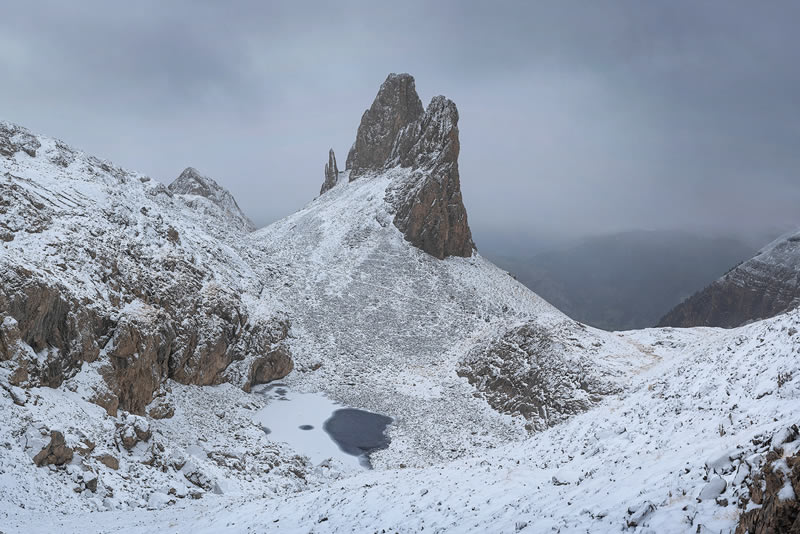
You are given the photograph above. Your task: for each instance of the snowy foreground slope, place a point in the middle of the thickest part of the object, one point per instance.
(645, 456)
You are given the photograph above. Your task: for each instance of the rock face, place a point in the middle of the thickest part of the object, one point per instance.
(331, 173)
(105, 267)
(764, 286)
(538, 373)
(56, 452)
(774, 490)
(192, 335)
(14, 139)
(273, 366)
(191, 185)
(395, 107)
(396, 132)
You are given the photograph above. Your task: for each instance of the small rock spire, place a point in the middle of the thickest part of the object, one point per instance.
(331, 173)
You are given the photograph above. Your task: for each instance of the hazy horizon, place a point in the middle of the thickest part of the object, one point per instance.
(575, 120)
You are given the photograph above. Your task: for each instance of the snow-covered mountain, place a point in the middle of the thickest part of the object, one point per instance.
(137, 319)
(763, 286)
(212, 201)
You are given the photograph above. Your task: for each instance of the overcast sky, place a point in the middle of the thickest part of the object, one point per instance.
(576, 117)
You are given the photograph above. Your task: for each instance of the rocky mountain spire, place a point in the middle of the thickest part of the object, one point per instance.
(395, 107)
(430, 210)
(331, 173)
(396, 132)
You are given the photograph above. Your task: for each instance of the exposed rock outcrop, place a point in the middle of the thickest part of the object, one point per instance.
(772, 506)
(430, 210)
(396, 132)
(539, 373)
(764, 286)
(14, 139)
(46, 332)
(21, 211)
(125, 278)
(273, 366)
(56, 452)
(191, 184)
(396, 106)
(331, 173)
(192, 336)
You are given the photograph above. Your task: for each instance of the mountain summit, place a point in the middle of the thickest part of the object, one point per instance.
(396, 132)
(213, 198)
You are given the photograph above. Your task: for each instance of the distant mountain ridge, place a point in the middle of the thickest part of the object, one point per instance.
(766, 285)
(620, 281)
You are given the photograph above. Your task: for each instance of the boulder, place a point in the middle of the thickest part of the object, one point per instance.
(715, 487)
(132, 430)
(637, 514)
(273, 366)
(56, 452)
(108, 460)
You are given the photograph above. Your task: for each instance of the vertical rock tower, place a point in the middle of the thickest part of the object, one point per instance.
(397, 132)
(331, 173)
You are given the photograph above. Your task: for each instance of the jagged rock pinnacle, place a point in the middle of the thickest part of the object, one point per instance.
(396, 132)
(430, 210)
(331, 173)
(395, 107)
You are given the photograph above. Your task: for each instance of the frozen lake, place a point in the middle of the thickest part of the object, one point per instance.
(320, 428)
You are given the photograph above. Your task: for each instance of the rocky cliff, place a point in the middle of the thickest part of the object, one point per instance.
(104, 267)
(395, 107)
(396, 132)
(764, 286)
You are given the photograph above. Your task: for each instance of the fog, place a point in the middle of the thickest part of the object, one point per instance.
(577, 118)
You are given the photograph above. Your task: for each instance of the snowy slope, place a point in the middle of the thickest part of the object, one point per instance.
(376, 324)
(390, 324)
(87, 246)
(706, 410)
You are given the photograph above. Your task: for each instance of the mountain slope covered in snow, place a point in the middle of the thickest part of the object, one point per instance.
(763, 286)
(675, 454)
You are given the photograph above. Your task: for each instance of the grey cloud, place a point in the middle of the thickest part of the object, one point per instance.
(576, 117)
